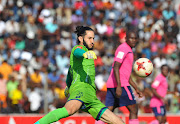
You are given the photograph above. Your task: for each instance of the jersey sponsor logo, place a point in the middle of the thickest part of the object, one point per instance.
(80, 94)
(120, 55)
(80, 47)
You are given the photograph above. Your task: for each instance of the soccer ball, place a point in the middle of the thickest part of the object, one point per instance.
(143, 67)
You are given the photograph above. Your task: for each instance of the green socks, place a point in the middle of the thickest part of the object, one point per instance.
(54, 116)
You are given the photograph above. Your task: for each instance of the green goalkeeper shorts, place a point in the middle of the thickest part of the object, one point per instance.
(87, 95)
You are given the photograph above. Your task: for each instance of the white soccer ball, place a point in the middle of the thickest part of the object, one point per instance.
(143, 67)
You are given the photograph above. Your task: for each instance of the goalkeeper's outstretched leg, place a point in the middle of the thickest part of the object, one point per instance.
(72, 107)
(69, 109)
(110, 118)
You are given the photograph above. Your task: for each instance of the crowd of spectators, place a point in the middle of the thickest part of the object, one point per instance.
(36, 37)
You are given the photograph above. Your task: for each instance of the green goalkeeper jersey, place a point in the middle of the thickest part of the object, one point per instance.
(81, 69)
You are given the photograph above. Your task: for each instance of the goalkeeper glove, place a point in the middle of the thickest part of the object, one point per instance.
(90, 55)
(66, 92)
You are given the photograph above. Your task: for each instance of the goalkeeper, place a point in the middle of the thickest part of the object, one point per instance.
(80, 82)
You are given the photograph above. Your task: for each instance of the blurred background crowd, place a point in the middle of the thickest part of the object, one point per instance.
(36, 37)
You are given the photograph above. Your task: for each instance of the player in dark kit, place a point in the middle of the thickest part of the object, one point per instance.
(159, 89)
(119, 92)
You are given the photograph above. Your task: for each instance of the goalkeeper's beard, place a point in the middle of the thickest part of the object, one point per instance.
(85, 44)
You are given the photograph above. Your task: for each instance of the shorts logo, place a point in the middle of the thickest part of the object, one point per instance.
(79, 95)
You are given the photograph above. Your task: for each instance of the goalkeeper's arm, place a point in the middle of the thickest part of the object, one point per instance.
(68, 79)
(79, 53)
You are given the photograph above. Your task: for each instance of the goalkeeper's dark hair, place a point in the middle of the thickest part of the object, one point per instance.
(81, 31)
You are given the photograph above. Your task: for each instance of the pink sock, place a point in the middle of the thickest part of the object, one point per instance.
(99, 122)
(154, 122)
(133, 121)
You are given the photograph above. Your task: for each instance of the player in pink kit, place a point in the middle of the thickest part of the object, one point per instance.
(119, 92)
(159, 89)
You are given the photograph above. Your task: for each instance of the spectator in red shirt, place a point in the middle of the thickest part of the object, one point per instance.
(156, 36)
(138, 4)
(169, 48)
(122, 35)
(79, 4)
(98, 4)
